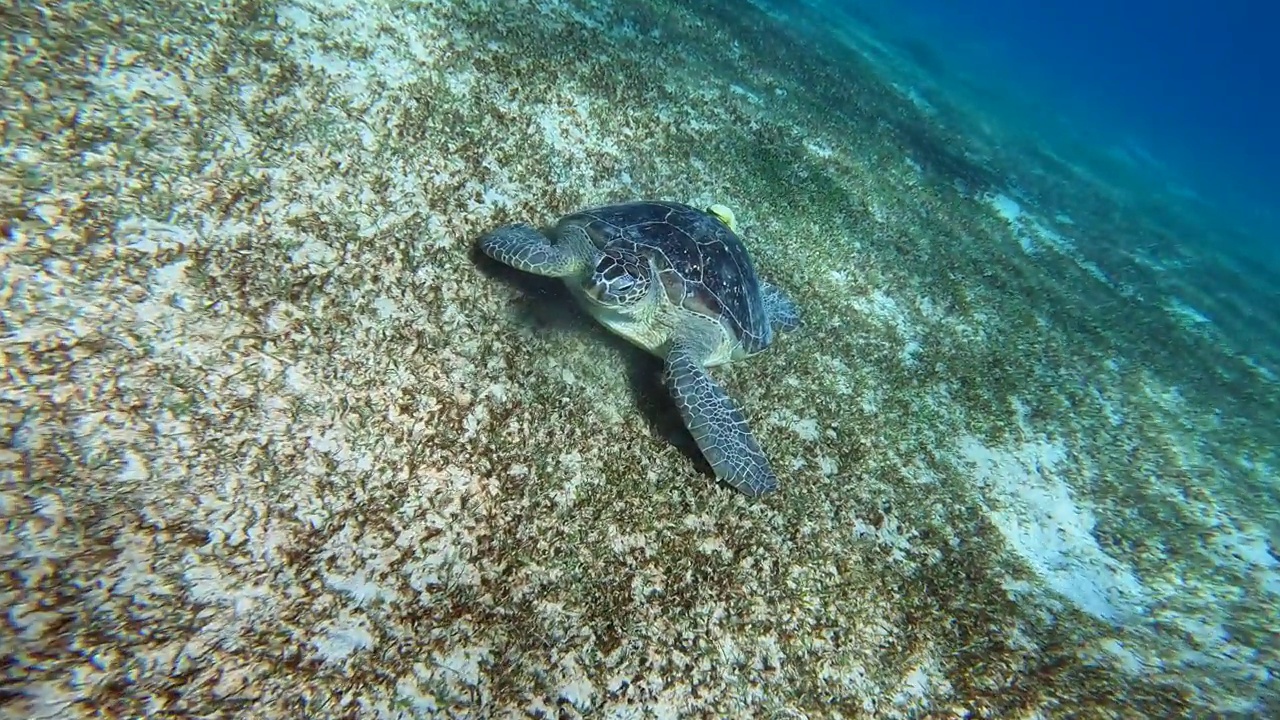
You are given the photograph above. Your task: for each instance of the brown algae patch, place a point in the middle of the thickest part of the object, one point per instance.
(277, 445)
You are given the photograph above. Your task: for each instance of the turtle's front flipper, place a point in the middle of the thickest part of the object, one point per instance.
(717, 424)
(783, 312)
(524, 248)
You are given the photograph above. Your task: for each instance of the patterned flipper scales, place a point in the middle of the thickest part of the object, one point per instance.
(783, 312)
(717, 424)
(524, 248)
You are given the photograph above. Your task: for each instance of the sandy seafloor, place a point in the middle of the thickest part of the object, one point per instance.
(279, 445)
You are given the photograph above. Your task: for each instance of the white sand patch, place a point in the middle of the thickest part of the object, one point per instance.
(840, 278)
(127, 83)
(807, 429)
(1168, 397)
(1123, 657)
(750, 96)
(398, 52)
(1033, 234)
(568, 127)
(886, 310)
(575, 687)
(889, 534)
(913, 95)
(1049, 528)
(1111, 408)
(838, 376)
(362, 589)
(464, 664)
(150, 236)
(1265, 372)
(409, 692)
(1186, 315)
(1006, 207)
(1249, 545)
(444, 679)
(924, 682)
(341, 638)
(1030, 232)
(819, 149)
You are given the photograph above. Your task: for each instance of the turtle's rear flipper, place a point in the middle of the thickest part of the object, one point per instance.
(524, 248)
(783, 312)
(717, 425)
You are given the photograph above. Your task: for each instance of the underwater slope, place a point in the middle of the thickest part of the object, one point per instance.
(280, 445)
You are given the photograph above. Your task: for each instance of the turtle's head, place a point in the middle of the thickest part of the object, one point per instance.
(620, 279)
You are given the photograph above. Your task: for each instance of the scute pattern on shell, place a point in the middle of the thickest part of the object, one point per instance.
(703, 265)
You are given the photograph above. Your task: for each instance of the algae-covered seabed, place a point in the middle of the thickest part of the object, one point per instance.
(280, 445)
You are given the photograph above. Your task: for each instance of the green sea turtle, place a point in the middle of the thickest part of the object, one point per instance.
(676, 281)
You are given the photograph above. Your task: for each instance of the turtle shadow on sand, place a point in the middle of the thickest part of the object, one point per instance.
(545, 303)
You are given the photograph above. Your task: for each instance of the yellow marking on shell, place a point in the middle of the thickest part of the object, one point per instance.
(724, 215)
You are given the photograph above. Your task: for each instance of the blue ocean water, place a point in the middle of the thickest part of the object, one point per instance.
(1188, 85)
